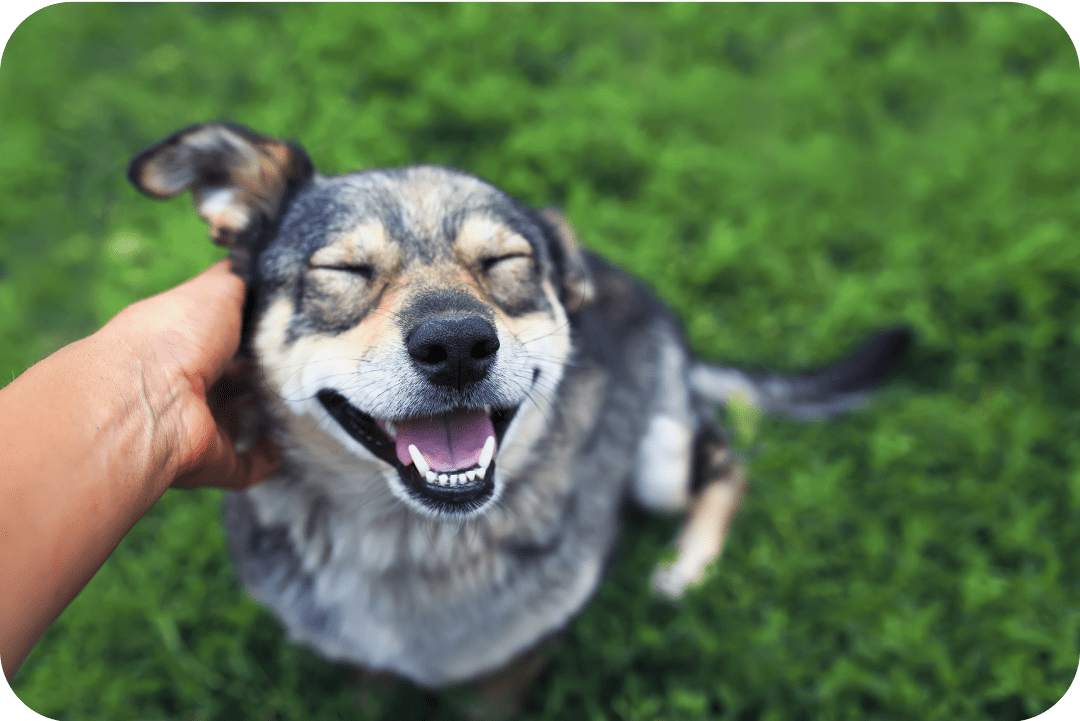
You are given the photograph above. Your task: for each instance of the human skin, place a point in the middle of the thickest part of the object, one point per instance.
(94, 434)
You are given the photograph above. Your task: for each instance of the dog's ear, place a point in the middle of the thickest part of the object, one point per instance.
(578, 289)
(240, 180)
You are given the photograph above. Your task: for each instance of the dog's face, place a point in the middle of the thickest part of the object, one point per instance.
(415, 313)
(415, 319)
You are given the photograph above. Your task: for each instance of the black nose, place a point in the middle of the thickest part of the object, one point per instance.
(453, 351)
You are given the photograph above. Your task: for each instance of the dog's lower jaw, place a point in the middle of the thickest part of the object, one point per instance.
(443, 502)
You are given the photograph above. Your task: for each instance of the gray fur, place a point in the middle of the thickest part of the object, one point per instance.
(609, 403)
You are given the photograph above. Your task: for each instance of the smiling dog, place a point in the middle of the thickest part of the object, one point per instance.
(463, 397)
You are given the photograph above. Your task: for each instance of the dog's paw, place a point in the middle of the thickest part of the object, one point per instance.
(672, 579)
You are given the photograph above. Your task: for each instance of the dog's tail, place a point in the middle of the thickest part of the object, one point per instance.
(813, 394)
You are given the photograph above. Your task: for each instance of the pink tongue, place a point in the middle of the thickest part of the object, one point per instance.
(450, 442)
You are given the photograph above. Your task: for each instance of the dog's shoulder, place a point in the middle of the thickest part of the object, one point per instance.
(625, 325)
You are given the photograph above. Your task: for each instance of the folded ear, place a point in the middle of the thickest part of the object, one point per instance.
(240, 180)
(578, 289)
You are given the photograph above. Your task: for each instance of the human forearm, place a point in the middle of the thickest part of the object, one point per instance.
(93, 435)
(79, 465)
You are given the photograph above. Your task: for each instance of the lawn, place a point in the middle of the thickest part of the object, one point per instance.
(788, 177)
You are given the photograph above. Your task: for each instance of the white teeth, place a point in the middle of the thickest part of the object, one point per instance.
(418, 459)
(454, 479)
(451, 479)
(391, 429)
(487, 453)
(487, 409)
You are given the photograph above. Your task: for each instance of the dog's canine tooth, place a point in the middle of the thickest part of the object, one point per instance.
(419, 460)
(487, 452)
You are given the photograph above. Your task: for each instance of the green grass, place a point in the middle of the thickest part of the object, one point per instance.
(787, 177)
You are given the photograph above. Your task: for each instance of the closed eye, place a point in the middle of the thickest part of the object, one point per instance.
(487, 264)
(367, 272)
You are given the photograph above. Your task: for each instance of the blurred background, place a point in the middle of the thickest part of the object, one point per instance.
(788, 177)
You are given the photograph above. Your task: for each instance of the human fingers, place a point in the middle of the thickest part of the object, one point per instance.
(233, 416)
(191, 331)
(221, 466)
(212, 304)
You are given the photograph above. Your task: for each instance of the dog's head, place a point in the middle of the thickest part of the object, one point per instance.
(420, 317)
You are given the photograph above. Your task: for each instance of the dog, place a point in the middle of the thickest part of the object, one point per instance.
(463, 397)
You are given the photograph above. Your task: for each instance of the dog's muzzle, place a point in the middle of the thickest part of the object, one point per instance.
(446, 460)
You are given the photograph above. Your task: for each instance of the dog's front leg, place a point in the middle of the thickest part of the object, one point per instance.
(722, 485)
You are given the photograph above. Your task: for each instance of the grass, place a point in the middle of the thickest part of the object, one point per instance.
(787, 177)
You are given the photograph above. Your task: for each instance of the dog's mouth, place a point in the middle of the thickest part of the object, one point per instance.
(446, 462)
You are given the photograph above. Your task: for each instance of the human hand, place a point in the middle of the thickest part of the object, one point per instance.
(194, 391)
(91, 436)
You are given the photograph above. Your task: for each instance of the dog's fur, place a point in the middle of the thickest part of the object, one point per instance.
(389, 295)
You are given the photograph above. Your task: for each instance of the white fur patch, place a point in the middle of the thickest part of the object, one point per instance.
(661, 482)
(220, 209)
(720, 384)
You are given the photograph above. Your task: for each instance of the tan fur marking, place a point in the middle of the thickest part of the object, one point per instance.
(164, 184)
(219, 208)
(379, 327)
(270, 343)
(440, 274)
(468, 279)
(367, 244)
(255, 181)
(480, 238)
(703, 536)
(375, 337)
(580, 290)
(532, 326)
(508, 281)
(262, 170)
